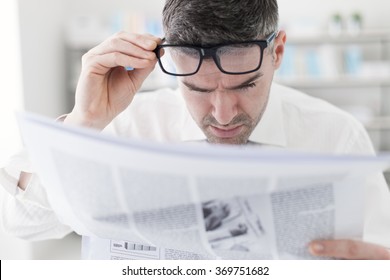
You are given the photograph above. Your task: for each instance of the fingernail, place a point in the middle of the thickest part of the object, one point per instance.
(317, 247)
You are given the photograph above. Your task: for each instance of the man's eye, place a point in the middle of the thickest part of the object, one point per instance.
(200, 90)
(248, 86)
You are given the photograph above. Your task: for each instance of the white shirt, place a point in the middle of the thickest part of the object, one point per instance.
(291, 120)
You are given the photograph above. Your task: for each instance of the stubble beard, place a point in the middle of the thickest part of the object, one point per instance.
(248, 125)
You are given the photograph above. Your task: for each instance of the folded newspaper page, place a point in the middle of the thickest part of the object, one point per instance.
(135, 199)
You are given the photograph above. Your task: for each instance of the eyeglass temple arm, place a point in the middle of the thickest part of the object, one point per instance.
(157, 47)
(272, 36)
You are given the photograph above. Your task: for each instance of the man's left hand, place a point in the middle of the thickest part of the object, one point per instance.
(348, 249)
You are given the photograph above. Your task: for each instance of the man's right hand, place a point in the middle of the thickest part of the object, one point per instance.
(105, 88)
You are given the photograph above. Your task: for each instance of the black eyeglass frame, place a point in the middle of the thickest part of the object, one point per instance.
(212, 52)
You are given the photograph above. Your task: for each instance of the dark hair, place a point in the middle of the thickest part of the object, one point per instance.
(210, 22)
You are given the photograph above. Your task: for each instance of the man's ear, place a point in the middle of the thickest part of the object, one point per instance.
(279, 45)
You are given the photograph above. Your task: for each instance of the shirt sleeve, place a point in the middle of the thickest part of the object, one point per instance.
(27, 214)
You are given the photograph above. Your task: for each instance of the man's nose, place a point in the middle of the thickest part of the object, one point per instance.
(224, 107)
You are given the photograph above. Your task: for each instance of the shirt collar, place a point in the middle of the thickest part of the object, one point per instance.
(269, 131)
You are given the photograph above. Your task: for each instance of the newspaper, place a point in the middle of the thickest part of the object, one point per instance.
(135, 199)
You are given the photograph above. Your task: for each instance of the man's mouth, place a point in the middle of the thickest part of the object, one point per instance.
(226, 132)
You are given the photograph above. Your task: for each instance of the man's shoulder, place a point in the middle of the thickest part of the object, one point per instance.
(296, 102)
(296, 98)
(310, 121)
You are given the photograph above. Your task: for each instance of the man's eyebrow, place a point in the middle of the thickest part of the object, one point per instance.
(196, 88)
(247, 82)
(243, 84)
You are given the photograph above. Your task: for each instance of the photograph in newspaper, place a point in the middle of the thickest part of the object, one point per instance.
(234, 228)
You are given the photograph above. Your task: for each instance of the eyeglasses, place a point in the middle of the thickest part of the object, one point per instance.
(233, 58)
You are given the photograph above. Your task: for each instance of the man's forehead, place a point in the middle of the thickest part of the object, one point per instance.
(213, 79)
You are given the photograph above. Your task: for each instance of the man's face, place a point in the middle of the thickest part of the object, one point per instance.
(228, 107)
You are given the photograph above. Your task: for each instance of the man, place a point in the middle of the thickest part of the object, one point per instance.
(225, 54)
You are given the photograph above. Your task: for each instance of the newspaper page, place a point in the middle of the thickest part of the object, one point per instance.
(133, 199)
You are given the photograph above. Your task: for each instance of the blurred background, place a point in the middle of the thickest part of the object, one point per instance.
(336, 50)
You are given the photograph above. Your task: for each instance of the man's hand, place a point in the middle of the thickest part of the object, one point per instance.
(348, 249)
(105, 88)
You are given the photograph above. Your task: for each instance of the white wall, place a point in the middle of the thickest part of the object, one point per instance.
(41, 24)
(10, 100)
(106, 8)
(11, 94)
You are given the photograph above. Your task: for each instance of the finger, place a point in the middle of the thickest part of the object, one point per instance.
(137, 45)
(122, 46)
(101, 64)
(348, 249)
(145, 41)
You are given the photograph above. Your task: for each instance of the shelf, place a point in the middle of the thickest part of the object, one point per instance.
(342, 82)
(378, 123)
(366, 36)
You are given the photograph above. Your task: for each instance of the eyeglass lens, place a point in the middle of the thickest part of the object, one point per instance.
(180, 60)
(239, 58)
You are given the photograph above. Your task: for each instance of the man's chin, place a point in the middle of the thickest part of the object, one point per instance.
(227, 141)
